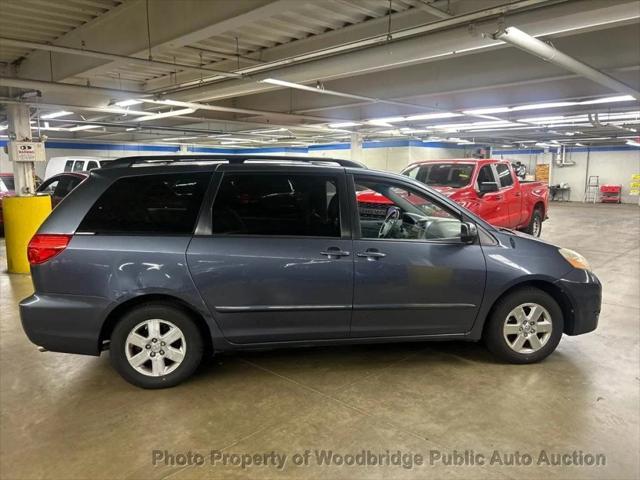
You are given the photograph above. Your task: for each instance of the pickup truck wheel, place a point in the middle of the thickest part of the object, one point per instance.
(524, 327)
(156, 346)
(535, 224)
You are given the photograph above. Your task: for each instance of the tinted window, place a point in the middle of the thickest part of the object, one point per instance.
(486, 175)
(68, 165)
(65, 185)
(504, 174)
(392, 212)
(412, 173)
(9, 182)
(91, 165)
(49, 186)
(277, 204)
(167, 203)
(78, 166)
(446, 174)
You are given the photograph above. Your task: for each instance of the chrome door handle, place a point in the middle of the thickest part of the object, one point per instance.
(371, 255)
(334, 252)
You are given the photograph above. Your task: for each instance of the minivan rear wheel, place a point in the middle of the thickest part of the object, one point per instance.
(525, 326)
(156, 346)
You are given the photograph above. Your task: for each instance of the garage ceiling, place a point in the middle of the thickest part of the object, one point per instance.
(296, 72)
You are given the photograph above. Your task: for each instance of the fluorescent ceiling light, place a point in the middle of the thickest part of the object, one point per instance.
(128, 103)
(156, 116)
(379, 123)
(389, 119)
(3, 127)
(61, 113)
(620, 98)
(632, 143)
(432, 116)
(272, 130)
(179, 138)
(83, 127)
(485, 111)
(131, 129)
(538, 106)
(344, 124)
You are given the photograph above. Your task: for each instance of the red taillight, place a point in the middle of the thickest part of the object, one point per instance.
(43, 247)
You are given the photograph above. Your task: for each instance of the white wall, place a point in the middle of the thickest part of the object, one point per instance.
(612, 166)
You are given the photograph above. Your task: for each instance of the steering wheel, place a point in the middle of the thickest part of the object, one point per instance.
(390, 220)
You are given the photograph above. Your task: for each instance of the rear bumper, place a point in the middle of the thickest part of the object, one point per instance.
(64, 323)
(584, 292)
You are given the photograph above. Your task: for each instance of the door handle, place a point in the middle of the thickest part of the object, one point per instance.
(335, 253)
(518, 194)
(371, 255)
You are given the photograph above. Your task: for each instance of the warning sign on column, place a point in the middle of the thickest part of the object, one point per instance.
(26, 152)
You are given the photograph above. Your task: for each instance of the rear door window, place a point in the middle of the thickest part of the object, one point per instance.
(68, 165)
(159, 204)
(485, 175)
(504, 175)
(91, 165)
(78, 166)
(277, 204)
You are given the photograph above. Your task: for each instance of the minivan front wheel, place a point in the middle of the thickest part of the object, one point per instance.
(525, 326)
(156, 346)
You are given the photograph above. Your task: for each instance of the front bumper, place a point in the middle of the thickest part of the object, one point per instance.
(584, 294)
(64, 323)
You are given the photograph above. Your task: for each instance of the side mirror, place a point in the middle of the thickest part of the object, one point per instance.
(488, 187)
(468, 232)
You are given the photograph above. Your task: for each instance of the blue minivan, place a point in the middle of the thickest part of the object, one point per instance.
(163, 259)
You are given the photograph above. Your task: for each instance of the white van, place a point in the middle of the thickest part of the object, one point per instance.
(58, 165)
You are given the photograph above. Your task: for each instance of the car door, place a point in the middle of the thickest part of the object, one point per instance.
(511, 193)
(275, 263)
(413, 274)
(491, 205)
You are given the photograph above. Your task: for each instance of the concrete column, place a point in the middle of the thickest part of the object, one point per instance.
(24, 172)
(356, 147)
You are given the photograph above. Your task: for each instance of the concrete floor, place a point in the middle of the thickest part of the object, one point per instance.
(67, 416)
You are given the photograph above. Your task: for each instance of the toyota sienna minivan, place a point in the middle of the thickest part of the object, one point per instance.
(161, 259)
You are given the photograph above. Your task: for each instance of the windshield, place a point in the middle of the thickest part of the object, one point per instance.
(454, 175)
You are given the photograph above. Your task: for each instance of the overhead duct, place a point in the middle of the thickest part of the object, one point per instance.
(14, 42)
(524, 41)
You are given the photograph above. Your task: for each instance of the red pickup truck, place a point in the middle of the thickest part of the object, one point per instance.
(487, 187)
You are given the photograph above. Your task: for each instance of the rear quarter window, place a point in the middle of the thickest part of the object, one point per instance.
(159, 204)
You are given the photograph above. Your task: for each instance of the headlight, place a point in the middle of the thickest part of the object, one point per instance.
(575, 259)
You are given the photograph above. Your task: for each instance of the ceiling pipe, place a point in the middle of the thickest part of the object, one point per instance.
(328, 60)
(11, 42)
(68, 88)
(124, 94)
(524, 41)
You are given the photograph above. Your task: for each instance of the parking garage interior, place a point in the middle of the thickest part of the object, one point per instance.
(551, 87)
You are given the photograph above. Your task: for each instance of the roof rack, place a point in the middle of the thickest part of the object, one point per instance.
(231, 159)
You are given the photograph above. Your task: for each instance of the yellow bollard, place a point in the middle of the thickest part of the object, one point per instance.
(22, 218)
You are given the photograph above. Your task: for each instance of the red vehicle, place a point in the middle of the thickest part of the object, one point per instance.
(487, 187)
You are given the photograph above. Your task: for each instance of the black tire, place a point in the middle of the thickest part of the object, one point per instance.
(167, 312)
(537, 217)
(494, 336)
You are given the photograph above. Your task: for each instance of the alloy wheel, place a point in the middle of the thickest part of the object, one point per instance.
(155, 347)
(527, 328)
